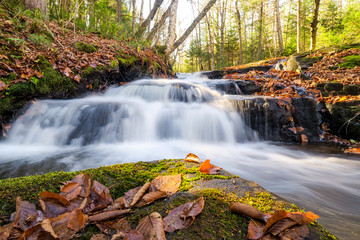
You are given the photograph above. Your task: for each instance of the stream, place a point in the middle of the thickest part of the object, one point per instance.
(149, 120)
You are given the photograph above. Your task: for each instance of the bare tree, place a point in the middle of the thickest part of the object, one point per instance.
(141, 11)
(36, 4)
(298, 28)
(259, 53)
(193, 25)
(314, 25)
(172, 30)
(240, 35)
(160, 23)
(278, 27)
(133, 15)
(149, 18)
(119, 10)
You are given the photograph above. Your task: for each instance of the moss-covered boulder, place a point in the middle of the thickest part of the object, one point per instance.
(345, 119)
(333, 86)
(216, 221)
(88, 48)
(351, 90)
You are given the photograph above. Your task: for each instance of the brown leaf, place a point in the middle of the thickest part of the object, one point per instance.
(46, 225)
(120, 225)
(38, 74)
(275, 217)
(169, 184)
(100, 195)
(59, 225)
(104, 216)
(304, 138)
(247, 210)
(352, 150)
(281, 225)
(296, 233)
(128, 235)
(5, 231)
(26, 215)
(85, 182)
(76, 220)
(52, 204)
(150, 197)
(303, 218)
(208, 168)
(183, 216)
(99, 237)
(139, 194)
(2, 85)
(192, 158)
(118, 203)
(69, 187)
(129, 195)
(255, 229)
(152, 227)
(70, 191)
(68, 72)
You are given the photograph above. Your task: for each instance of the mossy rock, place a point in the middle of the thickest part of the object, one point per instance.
(131, 60)
(351, 90)
(21, 89)
(216, 221)
(350, 61)
(320, 86)
(84, 47)
(333, 86)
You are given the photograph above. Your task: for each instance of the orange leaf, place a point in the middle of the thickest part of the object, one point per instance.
(208, 168)
(77, 78)
(192, 158)
(353, 150)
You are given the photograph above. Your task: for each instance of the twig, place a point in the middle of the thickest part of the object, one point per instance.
(348, 122)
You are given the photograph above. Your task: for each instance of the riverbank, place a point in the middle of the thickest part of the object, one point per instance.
(215, 222)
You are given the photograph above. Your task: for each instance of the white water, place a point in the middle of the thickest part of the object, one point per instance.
(156, 119)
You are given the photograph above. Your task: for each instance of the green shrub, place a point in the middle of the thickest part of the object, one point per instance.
(40, 40)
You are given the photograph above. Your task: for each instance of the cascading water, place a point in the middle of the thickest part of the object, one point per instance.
(154, 119)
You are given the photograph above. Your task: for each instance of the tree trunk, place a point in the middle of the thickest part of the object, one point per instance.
(240, 35)
(193, 25)
(298, 28)
(149, 18)
(118, 11)
(222, 32)
(314, 25)
(160, 23)
(259, 54)
(36, 4)
(172, 30)
(141, 11)
(287, 24)
(133, 15)
(211, 44)
(278, 27)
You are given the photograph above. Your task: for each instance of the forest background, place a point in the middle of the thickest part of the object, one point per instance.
(228, 32)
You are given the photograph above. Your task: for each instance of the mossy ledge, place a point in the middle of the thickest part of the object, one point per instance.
(215, 222)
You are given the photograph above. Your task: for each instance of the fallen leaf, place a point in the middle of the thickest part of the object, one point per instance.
(26, 215)
(296, 233)
(247, 210)
(5, 231)
(281, 225)
(183, 216)
(76, 220)
(139, 194)
(85, 182)
(152, 227)
(128, 235)
(169, 184)
(129, 195)
(120, 225)
(104, 216)
(352, 150)
(68, 72)
(304, 138)
(70, 191)
(150, 197)
(2, 85)
(77, 78)
(255, 229)
(192, 158)
(208, 168)
(46, 225)
(53, 204)
(303, 218)
(99, 237)
(59, 225)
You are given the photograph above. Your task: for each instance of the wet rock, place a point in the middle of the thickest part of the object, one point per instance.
(218, 74)
(345, 119)
(280, 121)
(333, 86)
(351, 90)
(248, 87)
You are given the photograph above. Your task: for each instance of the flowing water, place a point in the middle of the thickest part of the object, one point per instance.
(155, 119)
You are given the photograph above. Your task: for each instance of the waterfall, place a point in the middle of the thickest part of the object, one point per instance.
(146, 110)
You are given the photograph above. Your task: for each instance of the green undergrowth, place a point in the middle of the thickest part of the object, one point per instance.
(84, 47)
(350, 61)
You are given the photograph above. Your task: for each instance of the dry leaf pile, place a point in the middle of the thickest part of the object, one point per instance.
(82, 202)
(278, 225)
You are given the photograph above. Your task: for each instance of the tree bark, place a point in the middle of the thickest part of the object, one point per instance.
(172, 30)
(278, 27)
(298, 28)
(259, 54)
(314, 25)
(118, 11)
(133, 15)
(141, 11)
(36, 4)
(160, 23)
(149, 18)
(240, 35)
(193, 25)
(222, 32)
(211, 44)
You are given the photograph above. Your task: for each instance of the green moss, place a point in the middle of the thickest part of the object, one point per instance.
(88, 48)
(350, 61)
(12, 76)
(42, 63)
(128, 61)
(40, 40)
(21, 89)
(114, 64)
(54, 83)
